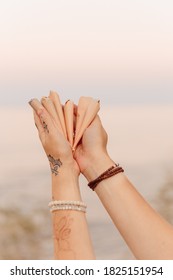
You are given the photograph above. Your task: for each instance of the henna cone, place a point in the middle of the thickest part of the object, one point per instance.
(56, 101)
(49, 106)
(69, 114)
(90, 113)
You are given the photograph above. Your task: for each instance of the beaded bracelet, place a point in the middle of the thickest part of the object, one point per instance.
(113, 170)
(67, 205)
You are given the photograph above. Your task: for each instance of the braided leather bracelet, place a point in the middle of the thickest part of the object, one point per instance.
(113, 170)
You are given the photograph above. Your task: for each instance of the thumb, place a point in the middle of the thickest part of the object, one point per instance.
(78, 152)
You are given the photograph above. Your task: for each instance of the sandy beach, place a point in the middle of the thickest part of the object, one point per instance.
(140, 139)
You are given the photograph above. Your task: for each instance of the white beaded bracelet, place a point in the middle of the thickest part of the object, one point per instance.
(67, 205)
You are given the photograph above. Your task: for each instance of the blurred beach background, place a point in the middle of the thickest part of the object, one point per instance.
(117, 51)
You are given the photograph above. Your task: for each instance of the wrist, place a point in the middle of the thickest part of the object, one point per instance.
(65, 185)
(97, 166)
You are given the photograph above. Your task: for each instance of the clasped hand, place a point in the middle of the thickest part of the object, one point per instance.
(58, 149)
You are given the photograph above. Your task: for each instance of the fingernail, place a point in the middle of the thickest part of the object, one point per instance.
(45, 98)
(30, 102)
(35, 104)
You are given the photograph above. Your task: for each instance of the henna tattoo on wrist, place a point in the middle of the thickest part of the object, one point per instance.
(55, 164)
(62, 233)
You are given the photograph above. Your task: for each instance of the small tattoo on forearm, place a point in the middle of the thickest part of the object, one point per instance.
(55, 164)
(45, 127)
(62, 231)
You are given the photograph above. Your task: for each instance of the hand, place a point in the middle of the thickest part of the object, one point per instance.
(57, 148)
(91, 155)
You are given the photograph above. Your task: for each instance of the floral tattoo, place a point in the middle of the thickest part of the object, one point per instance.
(62, 231)
(54, 164)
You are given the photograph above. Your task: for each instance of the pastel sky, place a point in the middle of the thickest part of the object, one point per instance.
(118, 51)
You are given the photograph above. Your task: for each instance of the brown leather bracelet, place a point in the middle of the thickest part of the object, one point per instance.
(113, 170)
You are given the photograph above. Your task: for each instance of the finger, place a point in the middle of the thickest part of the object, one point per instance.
(96, 120)
(68, 115)
(39, 113)
(59, 110)
(85, 117)
(48, 104)
(74, 117)
(75, 109)
(43, 116)
(44, 122)
(36, 105)
(47, 122)
(38, 122)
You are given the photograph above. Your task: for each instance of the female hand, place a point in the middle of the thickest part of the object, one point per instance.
(56, 147)
(70, 230)
(91, 155)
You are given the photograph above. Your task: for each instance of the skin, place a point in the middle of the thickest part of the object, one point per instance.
(147, 234)
(70, 229)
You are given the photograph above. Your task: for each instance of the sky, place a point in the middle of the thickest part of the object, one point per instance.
(118, 51)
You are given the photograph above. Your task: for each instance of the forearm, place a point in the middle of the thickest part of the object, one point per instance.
(147, 234)
(70, 229)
